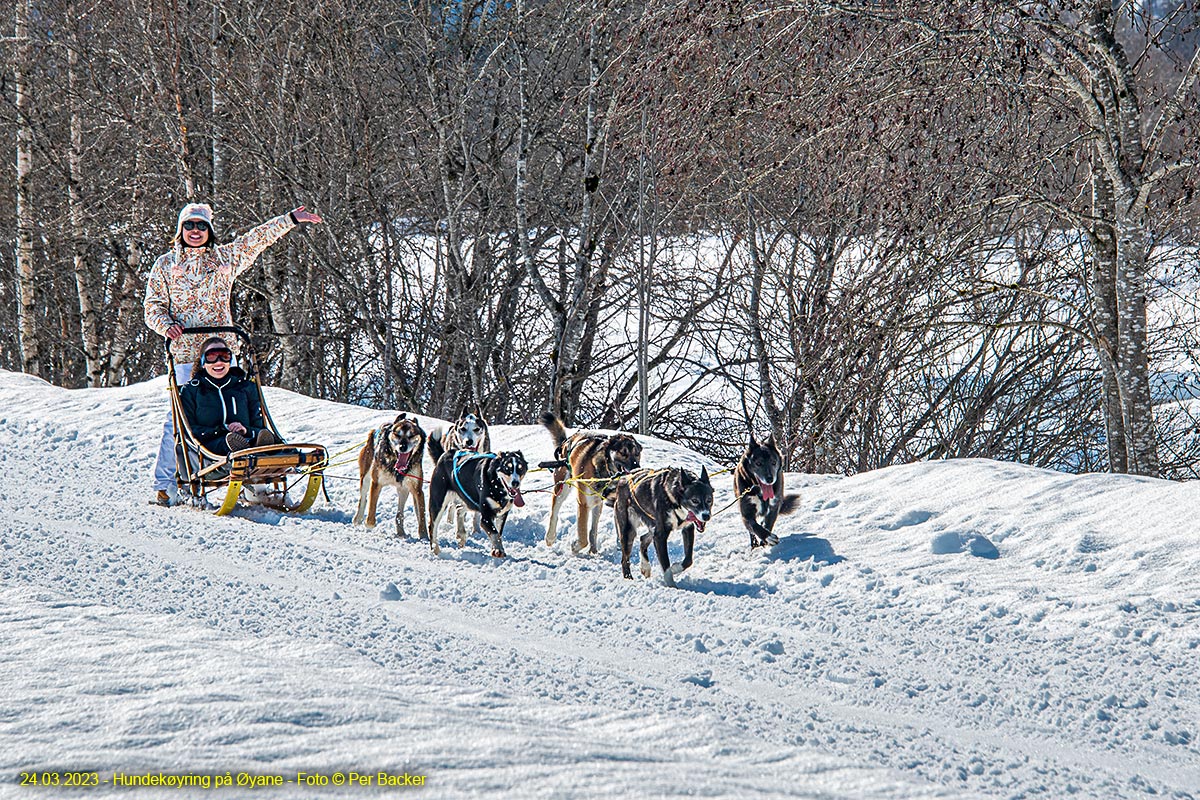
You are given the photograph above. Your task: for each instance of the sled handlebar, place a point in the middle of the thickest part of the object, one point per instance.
(234, 329)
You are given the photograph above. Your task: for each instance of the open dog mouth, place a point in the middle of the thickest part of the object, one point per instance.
(767, 489)
(515, 493)
(699, 523)
(402, 461)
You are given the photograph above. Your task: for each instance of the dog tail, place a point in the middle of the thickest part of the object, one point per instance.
(366, 454)
(789, 504)
(556, 428)
(435, 446)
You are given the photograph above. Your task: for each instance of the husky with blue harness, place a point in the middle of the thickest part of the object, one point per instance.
(488, 484)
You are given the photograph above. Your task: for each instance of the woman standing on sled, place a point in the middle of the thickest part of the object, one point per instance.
(189, 286)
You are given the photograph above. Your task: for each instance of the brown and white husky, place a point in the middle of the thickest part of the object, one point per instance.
(393, 456)
(591, 460)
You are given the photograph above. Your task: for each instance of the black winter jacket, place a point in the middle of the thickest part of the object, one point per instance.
(210, 406)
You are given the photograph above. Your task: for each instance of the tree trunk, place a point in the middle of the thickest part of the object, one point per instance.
(275, 271)
(183, 154)
(29, 338)
(89, 320)
(1103, 280)
(565, 382)
(1124, 165)
(1133, 372)
(217, 96)
(128, 307)
(762, 357)
(645, 282)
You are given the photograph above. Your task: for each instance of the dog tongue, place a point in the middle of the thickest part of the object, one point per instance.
(699, 523)
(518, 501)
(767, 489)
(402, 461)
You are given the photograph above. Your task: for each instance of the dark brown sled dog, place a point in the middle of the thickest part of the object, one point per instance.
(758, 483)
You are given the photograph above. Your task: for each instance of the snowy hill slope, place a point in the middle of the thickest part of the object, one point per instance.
(946, 629)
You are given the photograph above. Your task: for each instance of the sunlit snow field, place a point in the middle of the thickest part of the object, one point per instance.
(943, 629)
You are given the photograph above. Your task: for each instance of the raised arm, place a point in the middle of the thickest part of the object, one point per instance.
(245, 250)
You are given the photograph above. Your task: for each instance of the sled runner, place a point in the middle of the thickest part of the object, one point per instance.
(269, 470)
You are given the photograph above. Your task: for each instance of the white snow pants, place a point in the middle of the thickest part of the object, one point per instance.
(164, 468)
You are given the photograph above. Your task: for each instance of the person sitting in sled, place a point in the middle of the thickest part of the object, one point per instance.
(221, 405)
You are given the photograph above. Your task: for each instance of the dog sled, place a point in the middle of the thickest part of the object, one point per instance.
(269, 471)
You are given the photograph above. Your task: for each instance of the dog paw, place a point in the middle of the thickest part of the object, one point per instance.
(550, 538)
(772, 540)
(668, 579)
(645, 569)
(576, 547)
(498, 554)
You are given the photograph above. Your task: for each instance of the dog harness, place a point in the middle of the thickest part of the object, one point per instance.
(460, 458)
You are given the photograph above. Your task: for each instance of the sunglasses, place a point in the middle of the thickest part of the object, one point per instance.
(215, 355)
(195, 225)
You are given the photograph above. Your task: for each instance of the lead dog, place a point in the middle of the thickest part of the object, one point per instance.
(487, 483)
(758, 484)
(392, 456)
(590, 458)
(662, 501)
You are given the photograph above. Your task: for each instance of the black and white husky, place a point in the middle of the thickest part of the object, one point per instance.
(661, 501)
(468, 432)
(488, 484)
(758, 483)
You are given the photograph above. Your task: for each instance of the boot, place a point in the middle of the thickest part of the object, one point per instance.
(264, 438)
(161, 498)
(236, 442)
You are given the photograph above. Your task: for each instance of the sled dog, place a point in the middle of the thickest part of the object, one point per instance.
(469, 432)
(758, 484)
(589, 458)
(392, 456)
(487, 483)
(662, 501)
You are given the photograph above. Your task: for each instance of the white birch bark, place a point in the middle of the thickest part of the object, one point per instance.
(1103, 281)
(28, 335)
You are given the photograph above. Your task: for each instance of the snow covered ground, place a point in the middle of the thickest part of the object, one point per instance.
(949, 629)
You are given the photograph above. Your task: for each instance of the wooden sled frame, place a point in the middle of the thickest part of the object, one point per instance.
(199, 470)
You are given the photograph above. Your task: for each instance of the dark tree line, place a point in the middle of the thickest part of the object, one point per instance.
(882, 231)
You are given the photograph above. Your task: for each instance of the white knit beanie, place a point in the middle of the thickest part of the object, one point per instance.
(199, 211)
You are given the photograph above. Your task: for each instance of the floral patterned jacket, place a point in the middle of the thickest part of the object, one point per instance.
(191, 285)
